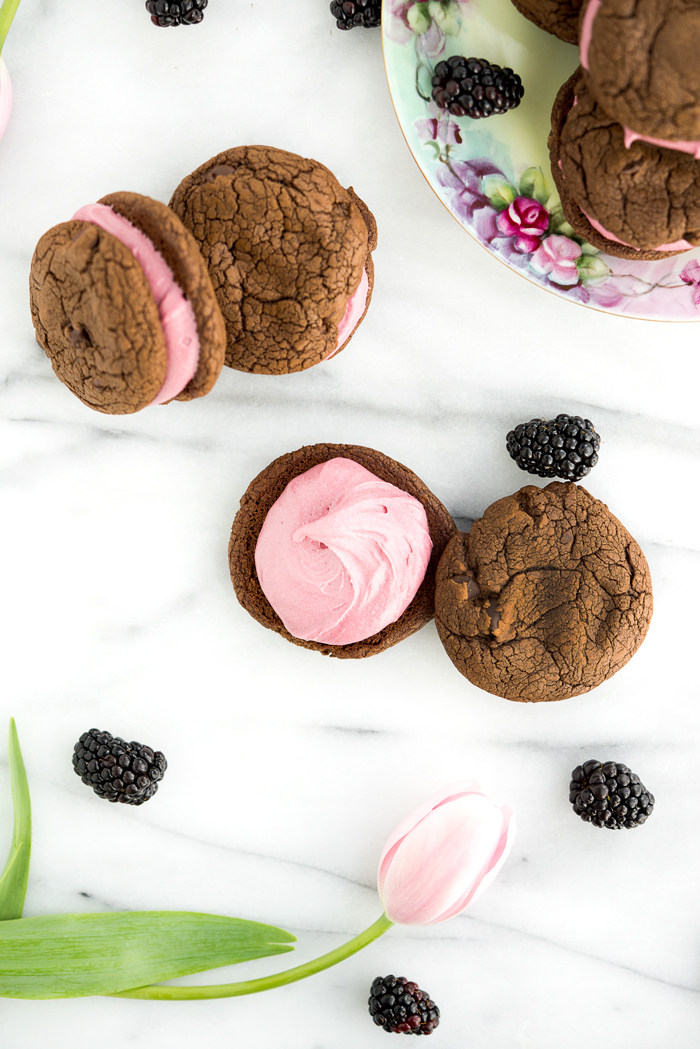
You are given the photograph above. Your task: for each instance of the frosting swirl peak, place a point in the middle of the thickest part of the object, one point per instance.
(342, 553)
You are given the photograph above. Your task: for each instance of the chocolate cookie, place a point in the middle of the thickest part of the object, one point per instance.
(289, 253)
(559, 17)
(269, 485)
(124, 308)
(641, 62)
(636, 202)
(546, 597)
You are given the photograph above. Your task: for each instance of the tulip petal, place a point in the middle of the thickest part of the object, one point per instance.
(436, 868)
(5, 96)
(452, 790)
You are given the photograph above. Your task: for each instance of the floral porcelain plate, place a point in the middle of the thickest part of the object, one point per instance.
(494, 176)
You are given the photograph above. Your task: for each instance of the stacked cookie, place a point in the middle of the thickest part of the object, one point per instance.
(625, 139)
(626, 129)
(262, 262)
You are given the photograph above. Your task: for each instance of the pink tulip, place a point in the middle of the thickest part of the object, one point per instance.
(442, 856)
(5, 96)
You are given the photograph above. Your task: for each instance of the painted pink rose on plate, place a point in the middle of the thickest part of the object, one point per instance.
(526, 220)
(556, 256)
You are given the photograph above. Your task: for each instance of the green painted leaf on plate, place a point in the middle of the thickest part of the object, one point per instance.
(75, 955)
(500, 192)
(533, 184)
(591, 267)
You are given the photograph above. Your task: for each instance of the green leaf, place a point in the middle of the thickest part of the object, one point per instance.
(446, 15)
(591, 267)
(499, 192)
(13, 882)
(533, 184)
(558, 224)
(418, 18)
(74, 955)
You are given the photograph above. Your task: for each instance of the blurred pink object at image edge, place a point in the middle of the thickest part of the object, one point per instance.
(5, 96)
(442, 856)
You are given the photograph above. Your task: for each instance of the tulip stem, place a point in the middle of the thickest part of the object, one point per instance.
(7, 13)
(161, 992)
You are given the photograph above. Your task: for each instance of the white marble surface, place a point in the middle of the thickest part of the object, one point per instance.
(118, 611)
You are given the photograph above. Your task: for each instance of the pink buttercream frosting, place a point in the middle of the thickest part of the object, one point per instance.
(341, 554)
(680, 145)
(176, 314)
(587, 30)
(353, 313)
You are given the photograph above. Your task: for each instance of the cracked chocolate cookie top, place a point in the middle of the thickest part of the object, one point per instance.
(96, 317)
(546, 597)
(559, 17)
(264, 491)
(642, 64)
(646, 196)
(286, 247)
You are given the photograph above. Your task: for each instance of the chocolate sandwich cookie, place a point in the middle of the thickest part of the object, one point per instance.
(641, 63)
(342, 539)
(289, 253)
(124, 308)
(559, 17)
(638, 201)
(546, 597)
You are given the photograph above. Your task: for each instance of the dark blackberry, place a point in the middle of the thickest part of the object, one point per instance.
(184, 12)
(401, 1007)
(473, 87)
(351, 13)
(565, 447)
(607, 794)
(117, 770)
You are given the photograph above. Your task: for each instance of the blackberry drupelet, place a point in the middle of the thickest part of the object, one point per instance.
(607, 794)
(117, 770)
(565, 447)
(475, 88)
(399, 1006)
(184, 12)
(351, 13)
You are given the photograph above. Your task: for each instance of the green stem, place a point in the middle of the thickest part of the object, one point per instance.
(7, 13)
(161, 992)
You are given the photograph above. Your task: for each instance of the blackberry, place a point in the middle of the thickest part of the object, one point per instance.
(473, 87)
(185, 12)
(351, 13)
(399, 1006)
(117, 770)
(607, 794)
(565, 447)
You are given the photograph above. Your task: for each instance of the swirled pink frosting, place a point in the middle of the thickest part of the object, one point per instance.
(341, 554)
(176, 314)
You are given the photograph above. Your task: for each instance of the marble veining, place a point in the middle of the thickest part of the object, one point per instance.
(287, 771)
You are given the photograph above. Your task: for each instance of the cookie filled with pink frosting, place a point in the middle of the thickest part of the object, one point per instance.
(632, 199)
(335, 548)
(640, 61)
(289, 251)
(123, 305)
